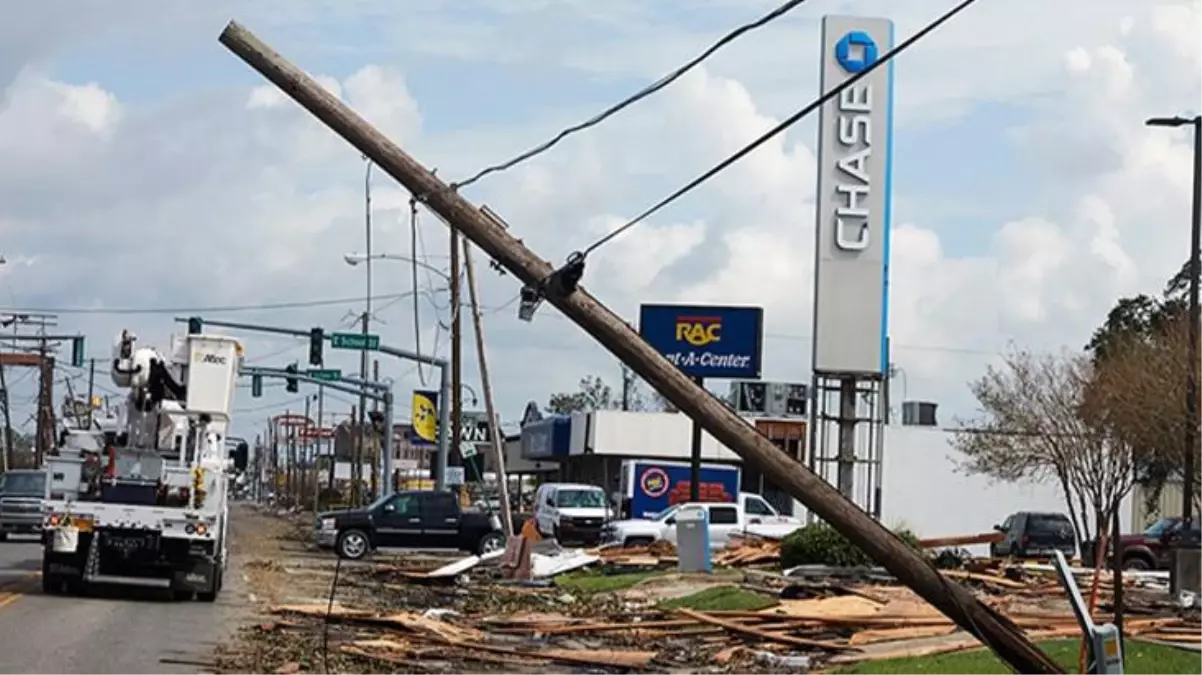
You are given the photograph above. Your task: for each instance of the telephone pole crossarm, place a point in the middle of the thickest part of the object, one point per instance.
(910, 568)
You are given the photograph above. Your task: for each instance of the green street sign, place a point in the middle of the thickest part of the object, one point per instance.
(356, 341)
(325, 374)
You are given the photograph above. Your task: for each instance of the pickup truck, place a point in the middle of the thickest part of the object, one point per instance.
(410, 519)
(751, 514)
(1152, 549)
(22, 495)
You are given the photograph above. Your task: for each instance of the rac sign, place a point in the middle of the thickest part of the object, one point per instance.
(699, 331)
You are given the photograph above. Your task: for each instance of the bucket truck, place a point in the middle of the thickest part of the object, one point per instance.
(144, 501)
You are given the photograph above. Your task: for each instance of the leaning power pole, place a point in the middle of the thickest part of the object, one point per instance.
(561, 289)
(494, 428)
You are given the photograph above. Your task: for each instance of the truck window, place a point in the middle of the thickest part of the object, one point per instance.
(758, 507)
(724, 515)
(439, 505)
(1049, 524)
(24, 484)
(404, 505)
(580, 499)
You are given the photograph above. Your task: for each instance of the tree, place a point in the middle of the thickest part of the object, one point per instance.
(1036, 423)
(1141, 357)
(594, 394)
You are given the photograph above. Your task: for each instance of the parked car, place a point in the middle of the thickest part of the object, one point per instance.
(22, 499)
(1031, 534)
(571, 511)
(411, 519)
(750, 514)
(1153, 548)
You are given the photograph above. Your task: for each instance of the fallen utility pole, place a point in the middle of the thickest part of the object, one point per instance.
(995, 631)
(494, 428)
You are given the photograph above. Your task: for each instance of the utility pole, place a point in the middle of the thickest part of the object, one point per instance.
(91, 388)
(494, 427)
(302, 468)
(8, 424)
(359, 429)
(379, 442)
(317, 452)
(456, 358)
(560, 288)
(356, 458)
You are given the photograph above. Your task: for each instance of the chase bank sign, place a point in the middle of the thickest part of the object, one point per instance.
(852, 229)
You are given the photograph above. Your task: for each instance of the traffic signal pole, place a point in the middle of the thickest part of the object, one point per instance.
(376, 391)
(561, 288)
(444, 396)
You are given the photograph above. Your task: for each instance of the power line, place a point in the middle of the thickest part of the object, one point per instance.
(788, 122)
(199, 310)
(644, 93)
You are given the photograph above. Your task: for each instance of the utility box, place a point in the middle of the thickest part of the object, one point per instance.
(1186, 572)
(693, 539)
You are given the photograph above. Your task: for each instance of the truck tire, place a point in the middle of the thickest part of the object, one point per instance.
(493, 541)
(1137, 563)
(211, 596)
(3, 536)
(352, 545)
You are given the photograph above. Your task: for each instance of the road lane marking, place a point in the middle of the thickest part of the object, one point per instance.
(12, 591)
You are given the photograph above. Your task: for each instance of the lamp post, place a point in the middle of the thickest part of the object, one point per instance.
(353, 259)
(1193, 351)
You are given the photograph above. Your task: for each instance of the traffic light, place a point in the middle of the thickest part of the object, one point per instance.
(256, 386)
(317, 340)
(376, 418)
(196, 325)
(241, 456)
(77, 355)
(290, 385)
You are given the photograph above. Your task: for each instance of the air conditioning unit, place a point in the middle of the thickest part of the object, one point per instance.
(918, 414)
(749, 396)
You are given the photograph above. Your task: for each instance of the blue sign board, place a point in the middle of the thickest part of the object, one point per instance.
(724, 342)
(659, 485)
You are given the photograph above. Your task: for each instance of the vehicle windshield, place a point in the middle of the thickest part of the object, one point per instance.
(33, 484)
(580, 499)
(665, 514)
(1160, 527)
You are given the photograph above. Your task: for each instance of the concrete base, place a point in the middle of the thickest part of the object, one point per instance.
(1186, 572)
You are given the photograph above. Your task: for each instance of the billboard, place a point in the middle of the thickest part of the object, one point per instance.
(658, 485)
(425, 417)
(855, 139)
(705, 341)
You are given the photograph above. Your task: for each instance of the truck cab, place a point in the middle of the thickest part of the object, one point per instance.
(22, 501)
(751, 514)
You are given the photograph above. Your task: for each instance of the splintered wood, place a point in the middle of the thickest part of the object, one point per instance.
(841, 625)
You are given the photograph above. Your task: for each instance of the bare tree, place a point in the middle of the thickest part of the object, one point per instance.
(1035, 425)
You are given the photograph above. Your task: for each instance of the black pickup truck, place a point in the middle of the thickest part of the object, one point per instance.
(411, 519)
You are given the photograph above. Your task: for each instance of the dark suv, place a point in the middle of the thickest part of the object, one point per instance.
(1032, 534)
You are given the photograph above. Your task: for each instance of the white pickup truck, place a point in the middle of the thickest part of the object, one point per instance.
(751, 514)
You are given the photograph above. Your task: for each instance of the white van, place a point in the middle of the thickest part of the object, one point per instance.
(571, 511)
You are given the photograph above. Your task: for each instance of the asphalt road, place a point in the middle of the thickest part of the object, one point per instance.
(117, 630)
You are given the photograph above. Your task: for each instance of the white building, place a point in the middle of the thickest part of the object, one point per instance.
(922, 487)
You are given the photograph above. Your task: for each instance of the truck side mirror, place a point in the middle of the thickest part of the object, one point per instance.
(550, 502)
(998, 528)
(670, 521)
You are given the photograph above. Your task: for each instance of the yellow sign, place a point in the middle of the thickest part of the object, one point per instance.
(97, 402)
(425, 416)
(699, 331)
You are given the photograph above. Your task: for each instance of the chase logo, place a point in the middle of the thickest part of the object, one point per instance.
(856, 51)
(698, 331)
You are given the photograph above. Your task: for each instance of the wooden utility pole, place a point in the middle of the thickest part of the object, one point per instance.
(45, 440)
(494, 428)
(456, 454)
(8, 423)
(356, 457)
(91, 390)
(560, 289)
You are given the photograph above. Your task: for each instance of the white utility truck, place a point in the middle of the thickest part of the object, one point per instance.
(145, 504)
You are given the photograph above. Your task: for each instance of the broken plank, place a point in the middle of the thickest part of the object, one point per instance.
(749, 631)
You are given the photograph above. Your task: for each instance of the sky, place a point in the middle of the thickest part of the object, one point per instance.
(147, 173)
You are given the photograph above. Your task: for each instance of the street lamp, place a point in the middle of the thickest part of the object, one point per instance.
(353, 259)
(1195, 277)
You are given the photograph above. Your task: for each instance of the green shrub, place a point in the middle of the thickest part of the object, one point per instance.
(821, 544)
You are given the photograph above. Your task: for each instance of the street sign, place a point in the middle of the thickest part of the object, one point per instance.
(468, 449)
(356, 341)
(325, 374)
